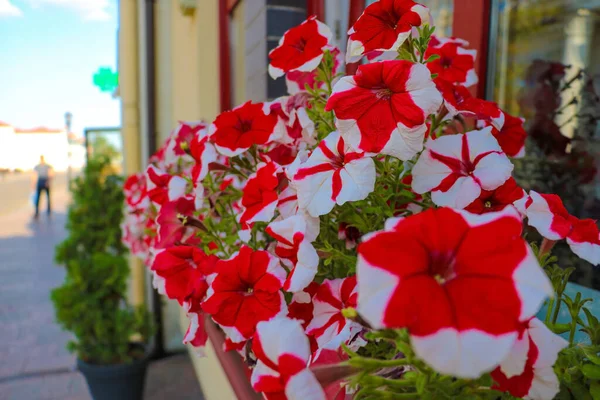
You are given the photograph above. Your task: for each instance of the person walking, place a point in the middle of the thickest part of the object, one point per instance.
(44, 174)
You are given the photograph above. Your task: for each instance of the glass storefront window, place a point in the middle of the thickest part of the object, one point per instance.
(545, 60)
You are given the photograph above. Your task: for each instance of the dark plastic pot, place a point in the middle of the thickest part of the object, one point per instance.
(115, 382)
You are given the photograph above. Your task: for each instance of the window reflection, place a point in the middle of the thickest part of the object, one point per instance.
(547, 64)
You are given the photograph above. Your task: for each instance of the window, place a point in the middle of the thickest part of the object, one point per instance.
(545, 56)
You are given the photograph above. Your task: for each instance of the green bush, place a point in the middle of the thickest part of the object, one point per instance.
(92, 301)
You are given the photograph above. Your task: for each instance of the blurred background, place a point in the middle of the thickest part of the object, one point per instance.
(80, 78)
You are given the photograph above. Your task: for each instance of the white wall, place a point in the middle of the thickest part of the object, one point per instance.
(22, 150)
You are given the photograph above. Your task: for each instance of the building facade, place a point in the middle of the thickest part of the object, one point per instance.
(20, 149)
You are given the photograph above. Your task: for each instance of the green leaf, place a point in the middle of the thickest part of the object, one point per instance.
(560, 328)
(592, 355)
(591, 371)
(420, 383)
(595, 390)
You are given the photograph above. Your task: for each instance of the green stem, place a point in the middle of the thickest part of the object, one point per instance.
(573, 329)
(556, 310)
(373, 363)
(549, 310)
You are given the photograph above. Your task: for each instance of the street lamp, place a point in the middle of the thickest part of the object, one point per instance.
(68, 120)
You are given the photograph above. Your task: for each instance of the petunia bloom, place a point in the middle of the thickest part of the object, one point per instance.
(203, 152)
(456, 168)
(235, 131)
(301, 307)
(183, 270)
(196, 335)
(384, 26)
(333, 174)
(495, 200)
(383, 108)
(296, 81)
(547, 214)
(511, 136)
(329, 326)
(460, 283)
(458, 100)
(295, 249)
(244, 291)
(163, 187)
(259, 199)
(527, 371)
(136, 191)
(283, 352)
(456, 63)
(171, 227)
(183, 135)
(300, 48)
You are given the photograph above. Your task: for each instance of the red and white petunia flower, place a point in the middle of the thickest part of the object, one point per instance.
(133, 233)
(350, 234)
(527, 371)
(135, 189)
(259, 199)
(333, 174)
(183, 270)
(300, 48)
(511, 136)
(547, 214)
(288, 198)
(235, 131)
(163, 187)
(384, 26)
(181, 138)
(283, 353)
(427, 273)
(338, 389)
(203, 152)
(196, 335)
(293, 123)
(456, 63)
(383, 108)
(296, 81)
(244, 291)
(329, 326)
(456, 168)
(170, 226)
(458, 100)
(295, 250)
(301, 307)
(495, 200)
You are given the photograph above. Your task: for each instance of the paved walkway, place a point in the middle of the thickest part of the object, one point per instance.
(34, 364)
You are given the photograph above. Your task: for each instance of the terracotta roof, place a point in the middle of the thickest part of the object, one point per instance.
(40, 129)
(2, 123)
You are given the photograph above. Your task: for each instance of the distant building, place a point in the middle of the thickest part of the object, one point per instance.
(20, 149)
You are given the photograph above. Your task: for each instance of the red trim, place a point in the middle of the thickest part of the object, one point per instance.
(231, 362)
(224, 57)
(356, 9)
(471, 21)
(232, 4)
(316, 7)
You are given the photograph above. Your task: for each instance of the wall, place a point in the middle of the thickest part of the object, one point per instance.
(22, 150)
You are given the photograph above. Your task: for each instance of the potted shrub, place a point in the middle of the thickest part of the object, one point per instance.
(110, 335)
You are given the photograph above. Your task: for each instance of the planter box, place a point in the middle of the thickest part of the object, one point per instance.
(222, 375)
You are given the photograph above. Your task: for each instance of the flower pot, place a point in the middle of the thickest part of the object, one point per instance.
(115, 382)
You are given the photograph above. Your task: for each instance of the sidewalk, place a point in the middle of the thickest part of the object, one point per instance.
(34, 364)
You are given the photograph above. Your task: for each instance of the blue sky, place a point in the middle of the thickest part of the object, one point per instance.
(50, 50)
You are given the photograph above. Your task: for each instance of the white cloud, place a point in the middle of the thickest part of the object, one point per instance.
(7, 9)
(96, 10)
